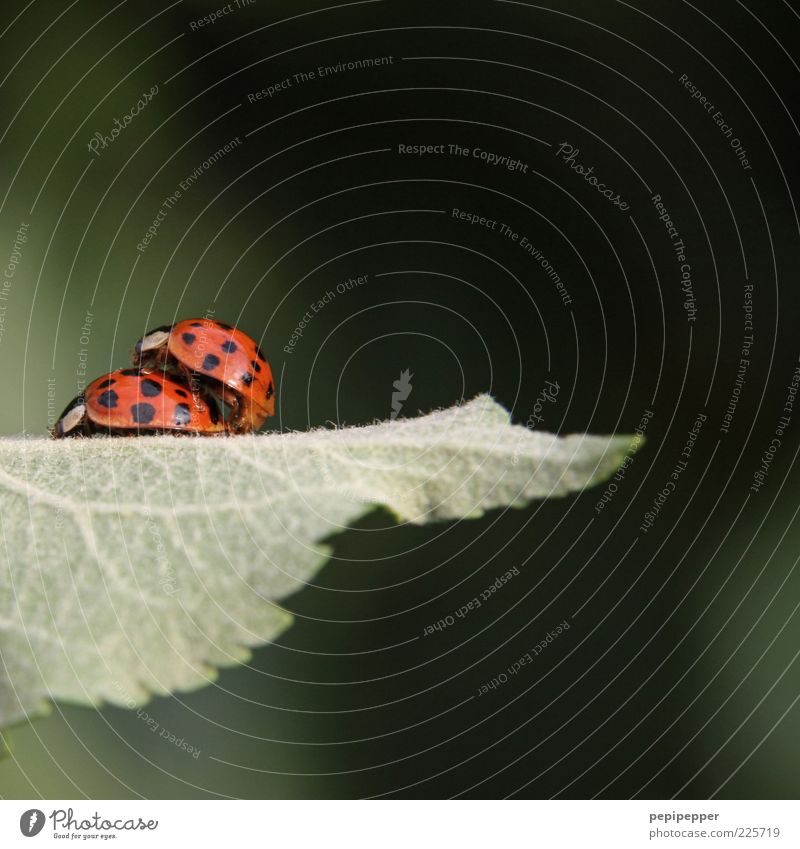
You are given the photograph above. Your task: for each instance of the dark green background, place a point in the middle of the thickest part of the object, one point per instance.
(678, 676)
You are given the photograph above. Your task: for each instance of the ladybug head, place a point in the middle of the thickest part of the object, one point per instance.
(150, 342)
(71, 421)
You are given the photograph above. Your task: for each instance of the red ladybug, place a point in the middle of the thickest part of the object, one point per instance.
(225, 359)
(132, 401)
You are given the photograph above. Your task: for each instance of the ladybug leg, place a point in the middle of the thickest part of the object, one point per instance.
(234, 422)
(213, 405)
(247, 416)
(187, 374)
(183, 374)
(87, 428)
(238, 420)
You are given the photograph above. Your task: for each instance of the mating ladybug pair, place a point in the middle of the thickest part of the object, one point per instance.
(180, 373)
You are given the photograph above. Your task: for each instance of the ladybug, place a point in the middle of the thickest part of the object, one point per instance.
(222, 358)
(132, 401)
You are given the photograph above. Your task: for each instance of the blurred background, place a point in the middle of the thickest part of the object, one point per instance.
(252, 160)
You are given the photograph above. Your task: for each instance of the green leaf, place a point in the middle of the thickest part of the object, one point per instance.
(137, 566)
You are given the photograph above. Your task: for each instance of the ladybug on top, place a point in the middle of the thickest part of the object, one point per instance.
(219, 357)
(181, 373)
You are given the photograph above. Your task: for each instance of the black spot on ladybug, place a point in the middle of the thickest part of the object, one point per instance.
(210, 362)
(182, 414)
(143, 413)
(270, 391)
(181, 393)
(256, 366)
(130, 372)
(196, 324)
(105, 383)
(260, 354)
(247, 378)
(150, 388)
(189, 338)
(108, 399)
(229, 347)
(223, 325)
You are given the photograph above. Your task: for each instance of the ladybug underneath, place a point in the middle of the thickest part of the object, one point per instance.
(220, 357)
(133, 401)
